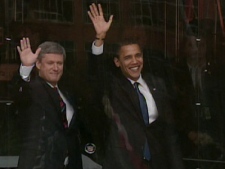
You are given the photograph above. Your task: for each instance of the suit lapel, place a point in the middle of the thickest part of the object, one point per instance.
(158, 90)
(131, 97)
(151, 85)
(71, 102)
(53, 99)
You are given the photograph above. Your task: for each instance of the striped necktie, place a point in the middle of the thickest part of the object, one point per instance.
(63, 109)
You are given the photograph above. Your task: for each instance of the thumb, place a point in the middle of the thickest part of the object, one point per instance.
(110, 20)
(38, 51)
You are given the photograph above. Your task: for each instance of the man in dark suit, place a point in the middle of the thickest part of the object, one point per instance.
(200, 103)
(50, 137)
(141, 131)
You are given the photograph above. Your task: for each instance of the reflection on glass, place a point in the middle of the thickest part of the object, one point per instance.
(183, 44)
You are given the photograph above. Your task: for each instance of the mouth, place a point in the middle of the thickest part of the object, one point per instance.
(136, 68)
(55, 74)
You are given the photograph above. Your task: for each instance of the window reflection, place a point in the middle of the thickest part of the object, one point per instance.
(142, 12)
(183, 44)
(43, 10)
(197, 84)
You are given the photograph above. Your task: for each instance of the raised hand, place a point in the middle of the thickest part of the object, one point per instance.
(98, 20)
(27, 57)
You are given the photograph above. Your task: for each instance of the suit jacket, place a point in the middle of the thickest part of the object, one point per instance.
(127, 130)
(205, 117)
(45, 141)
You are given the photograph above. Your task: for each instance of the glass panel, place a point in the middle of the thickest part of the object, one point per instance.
(183, 54)
(49, 10)
(142, 13)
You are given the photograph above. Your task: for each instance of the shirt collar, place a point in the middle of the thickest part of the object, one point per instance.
(52, 85)
(140, 80)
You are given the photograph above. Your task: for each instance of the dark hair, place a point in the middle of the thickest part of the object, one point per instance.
(51, 48)
(125, 42)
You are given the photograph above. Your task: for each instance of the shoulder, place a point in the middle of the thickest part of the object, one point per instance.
(153, 81)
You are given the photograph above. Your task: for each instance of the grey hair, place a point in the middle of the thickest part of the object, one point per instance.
(51, 48)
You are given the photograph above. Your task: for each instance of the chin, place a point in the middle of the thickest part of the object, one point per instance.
(54, 81)
(134, 78)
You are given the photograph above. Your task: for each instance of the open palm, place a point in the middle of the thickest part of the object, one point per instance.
(27, 57)
(98, 20)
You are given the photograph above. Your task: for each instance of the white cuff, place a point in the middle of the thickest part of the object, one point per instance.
(25, 72)
(97, 50)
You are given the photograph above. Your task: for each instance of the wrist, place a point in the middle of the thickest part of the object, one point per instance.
(100, 36)
(96, 38)
(27, 65)
(98, 43)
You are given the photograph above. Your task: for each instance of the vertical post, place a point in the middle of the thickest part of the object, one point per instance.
(15, 10)
(165, 32)
(22, 12)
(214, 31)
(177, 28)
(1, 35)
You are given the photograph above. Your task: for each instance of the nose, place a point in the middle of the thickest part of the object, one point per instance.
(55, 66)
(134, 59)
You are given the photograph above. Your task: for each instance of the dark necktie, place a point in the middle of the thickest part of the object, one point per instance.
(144, 111)
(143, 104)
(63, 109)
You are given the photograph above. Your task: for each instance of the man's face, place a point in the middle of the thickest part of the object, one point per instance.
(51, 68)
(130, 61)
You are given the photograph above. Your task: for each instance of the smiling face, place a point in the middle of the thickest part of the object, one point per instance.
(130, 61)
(50, 67)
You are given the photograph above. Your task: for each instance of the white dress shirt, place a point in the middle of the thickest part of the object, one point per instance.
(152, 109)
(143, 87)
(25, 74)
(26, 70)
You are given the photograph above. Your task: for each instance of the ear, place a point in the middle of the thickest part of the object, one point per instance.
(38, 64)
(116, 62)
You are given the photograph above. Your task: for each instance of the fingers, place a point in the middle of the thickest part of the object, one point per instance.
(24, 44)
(90, 16)
(96, 14)
(100, 10)
(94, 11)
(18, 49)
(28, 42)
